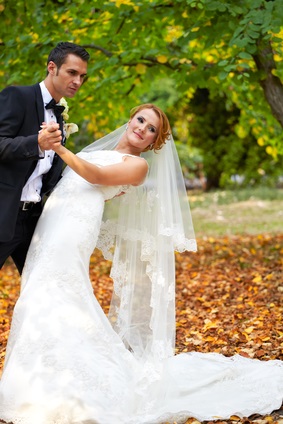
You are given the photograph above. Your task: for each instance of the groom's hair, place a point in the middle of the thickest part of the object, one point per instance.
(59, 54)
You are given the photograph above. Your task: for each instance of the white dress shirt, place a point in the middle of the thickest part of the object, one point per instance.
(32, 188)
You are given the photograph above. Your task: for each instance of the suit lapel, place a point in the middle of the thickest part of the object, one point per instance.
(60, 122)
(37, 107)
(39, 104)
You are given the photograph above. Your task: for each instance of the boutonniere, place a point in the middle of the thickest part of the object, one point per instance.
(71, 127)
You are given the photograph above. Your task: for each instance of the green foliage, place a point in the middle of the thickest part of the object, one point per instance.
(135, 45)
(225, 154)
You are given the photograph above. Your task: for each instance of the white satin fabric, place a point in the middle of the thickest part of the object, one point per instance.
(66, 365)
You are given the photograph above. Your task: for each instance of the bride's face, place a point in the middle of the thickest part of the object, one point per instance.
(143, 128)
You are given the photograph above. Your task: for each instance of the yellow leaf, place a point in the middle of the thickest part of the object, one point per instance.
(269, 276)
(141, 68)
(241, 131)
(249, 330)
(209, 325)
(201, 299)
(260, 141)
(174, 33)
(257, 279)
(162, 59)
(209, 339)
(277, 57)
(209, 58)
(272, 151)
(125, 2)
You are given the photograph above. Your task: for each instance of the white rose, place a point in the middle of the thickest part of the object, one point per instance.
(63, 102)
(70, 129)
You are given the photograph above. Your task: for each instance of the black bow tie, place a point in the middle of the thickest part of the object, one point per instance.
(58, 109)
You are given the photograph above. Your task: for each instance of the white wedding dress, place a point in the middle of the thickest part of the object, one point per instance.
(66, 365)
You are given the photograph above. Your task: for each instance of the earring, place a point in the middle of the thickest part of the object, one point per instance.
(127, 126)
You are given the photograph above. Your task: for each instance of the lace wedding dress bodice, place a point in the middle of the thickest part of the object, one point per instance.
(66, 365)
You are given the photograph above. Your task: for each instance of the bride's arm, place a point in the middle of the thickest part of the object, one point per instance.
(130, 171)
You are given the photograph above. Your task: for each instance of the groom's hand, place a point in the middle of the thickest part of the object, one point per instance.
(49, 136)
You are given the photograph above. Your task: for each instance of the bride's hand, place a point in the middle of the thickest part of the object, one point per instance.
(49, 136)
(53, 129)
(50, 127)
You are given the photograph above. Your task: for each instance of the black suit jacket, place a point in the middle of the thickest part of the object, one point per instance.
(21, 114)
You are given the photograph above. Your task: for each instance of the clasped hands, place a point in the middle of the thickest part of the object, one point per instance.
(50, 136)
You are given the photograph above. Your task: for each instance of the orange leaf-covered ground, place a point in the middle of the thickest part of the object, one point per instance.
(229, 299)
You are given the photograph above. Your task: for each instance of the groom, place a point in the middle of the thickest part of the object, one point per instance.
(28, 167)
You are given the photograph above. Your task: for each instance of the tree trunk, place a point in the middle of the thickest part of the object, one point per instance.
(272, 86)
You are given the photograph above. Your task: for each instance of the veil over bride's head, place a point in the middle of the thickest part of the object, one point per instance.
(140, 232)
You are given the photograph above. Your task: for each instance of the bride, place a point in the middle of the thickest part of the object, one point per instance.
(66, 362)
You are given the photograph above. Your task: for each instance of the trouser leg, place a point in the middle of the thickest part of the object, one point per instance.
(17, 247)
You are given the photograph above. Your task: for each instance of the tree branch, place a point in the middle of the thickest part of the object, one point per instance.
(95, 47)
(271, 84)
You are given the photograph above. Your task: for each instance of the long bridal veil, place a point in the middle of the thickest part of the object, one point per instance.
(140, 232)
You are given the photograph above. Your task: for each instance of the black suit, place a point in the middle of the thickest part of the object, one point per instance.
(21, 114)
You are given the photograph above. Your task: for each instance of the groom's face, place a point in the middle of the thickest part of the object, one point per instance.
(67, 79)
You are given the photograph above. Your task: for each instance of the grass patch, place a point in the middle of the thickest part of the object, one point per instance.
(245, 211)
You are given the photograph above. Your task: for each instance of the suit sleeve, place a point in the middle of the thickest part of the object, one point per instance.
(15, 143)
